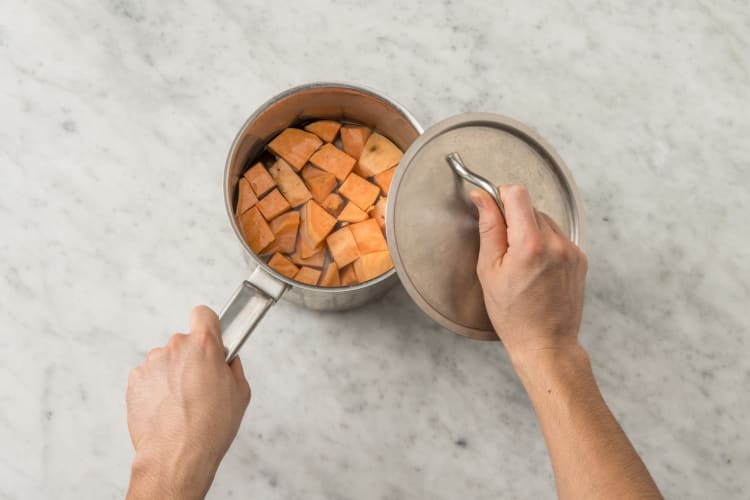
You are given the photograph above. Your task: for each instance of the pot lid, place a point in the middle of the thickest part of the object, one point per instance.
(432, 225)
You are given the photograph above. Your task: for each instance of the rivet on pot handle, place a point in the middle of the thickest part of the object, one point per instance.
(246, 308)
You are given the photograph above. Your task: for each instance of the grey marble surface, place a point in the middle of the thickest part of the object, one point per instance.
(115, 119)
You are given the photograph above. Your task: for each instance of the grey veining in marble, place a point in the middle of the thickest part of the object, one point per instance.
(115, 119)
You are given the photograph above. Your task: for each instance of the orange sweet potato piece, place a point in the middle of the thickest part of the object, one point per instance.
(333, 160)
(352, 213)
(378, 212)
(353, 138)
(259, 178)
(369, 237)
(315, 260)
(383, 179)
(332, 203)
(295, 146)
(315, 224)
(343, 246)
(321, 183)
(372, 265)
(273, 204)
(284, 228)
(308, 275)
(256, 230)
(348, 276)
(290, 185)
(378, 155)
(359, 191)
(246, 198)
(330, 276)
(282, 265)
(325, 129)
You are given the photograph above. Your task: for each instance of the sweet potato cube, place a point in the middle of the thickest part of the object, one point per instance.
(290, 185)
(330, 276)
(282, 265)
(315, 224)
(359, 191)
(321, 183)
(315, 260)
(353, 138)
(348, 276)
(246, 198)
(284, 228)
(383, 179)
(372, 265)
(369, 237)
(333, 160)
(295, 146)
(325, 129)
(343, 246)
(352, 213)
(273, 204)
(378, 212)
(259, 178)
(308, 275)
(256, 230)
(332, 203)
(378, 155)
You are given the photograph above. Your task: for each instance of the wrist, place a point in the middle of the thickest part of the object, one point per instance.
(543, 366)
(173, 474)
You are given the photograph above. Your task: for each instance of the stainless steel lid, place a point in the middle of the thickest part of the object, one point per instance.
(432, 229)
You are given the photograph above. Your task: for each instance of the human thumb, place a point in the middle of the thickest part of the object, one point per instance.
(493, 233)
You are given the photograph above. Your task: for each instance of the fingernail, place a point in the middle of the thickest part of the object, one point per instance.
(477, 199)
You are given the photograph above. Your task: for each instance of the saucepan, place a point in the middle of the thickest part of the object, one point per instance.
(431, 233)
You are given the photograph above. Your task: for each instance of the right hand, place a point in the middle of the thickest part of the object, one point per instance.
(532, 275)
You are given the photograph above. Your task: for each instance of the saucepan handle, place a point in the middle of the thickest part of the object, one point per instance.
(246, 308)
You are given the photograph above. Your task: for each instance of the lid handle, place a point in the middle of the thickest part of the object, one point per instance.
(460, 169)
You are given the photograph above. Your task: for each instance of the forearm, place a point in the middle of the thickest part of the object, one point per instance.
(591, 455)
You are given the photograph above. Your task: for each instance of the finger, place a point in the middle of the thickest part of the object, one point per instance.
(237, 370)
(552, 224)
(204, 320)
(493, 234)
(519, 213)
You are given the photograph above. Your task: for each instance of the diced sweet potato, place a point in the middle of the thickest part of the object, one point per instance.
(330, 276)
(321, 183)
(282, 265)
(256, 230)
(273, 204)
(290, 185)
(372, 265)
(333, 160)
(315, 224)
(284, 228)
(308, 275)
(315, 260)
(295, 146)
(259, 178)
(332, 203)
(353, 138)
(343, 246)
(325, 129)
(369, 237)
(348, 276)
(352, 213)
(246, 198)
(378, 212)
(359, 191)
(378, 155)
(383, 179)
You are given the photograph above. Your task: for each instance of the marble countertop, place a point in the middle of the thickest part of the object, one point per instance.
(115, 120)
